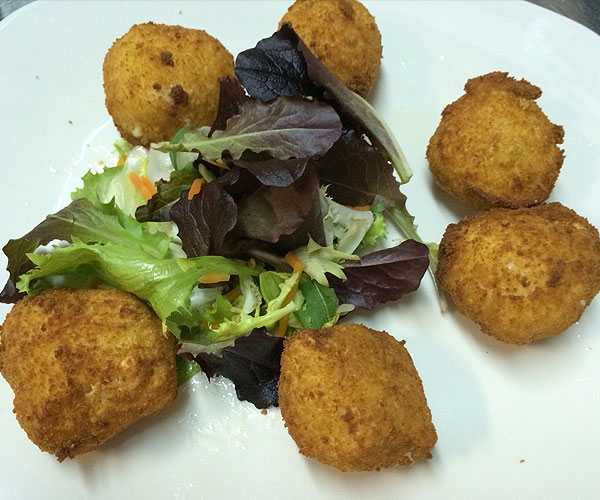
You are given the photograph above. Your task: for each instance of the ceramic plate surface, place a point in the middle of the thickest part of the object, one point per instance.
(516, 423)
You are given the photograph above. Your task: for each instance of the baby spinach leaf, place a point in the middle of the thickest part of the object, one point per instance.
(320, 304)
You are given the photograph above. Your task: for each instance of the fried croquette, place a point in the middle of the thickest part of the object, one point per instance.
(495, 147)
(84, 365)
(159, 78)
(343, 35)
(522, 274)
(351, 398)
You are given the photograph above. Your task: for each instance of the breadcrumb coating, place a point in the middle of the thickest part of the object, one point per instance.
(343, 35)
(159, 78)
(495, 147)
(523, 274)
(84, 365)
(351, 398)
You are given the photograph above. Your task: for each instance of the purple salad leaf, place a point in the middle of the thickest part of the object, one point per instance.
(356, 172)
(157, 209)
(274, 172)
(56, 226)
(205, 220)
(18, 263)
(252, 364)
(310, 77)
(356, 113)
(271, 213)
(232, 98)
(274, 68)
(383, 275)
(288, 127)
(90, 223)
(364, 117)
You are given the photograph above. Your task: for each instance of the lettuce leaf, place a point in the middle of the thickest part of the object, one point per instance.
(113, 184)
(383, 275)
(221, 321)
(345, 227)
(377, 230)
(283, 215)
(90, 223)
(252, 364)
(204, 221)
(283, 65)
(288, 127)
(158, 208)
(166, 284)
(318, 261)
(320, 305)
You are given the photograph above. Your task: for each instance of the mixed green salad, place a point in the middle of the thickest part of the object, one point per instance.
(272, 220)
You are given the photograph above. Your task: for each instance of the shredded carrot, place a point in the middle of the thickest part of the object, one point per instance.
(282, 326)
(297, 267)
(209, 278)
(121, 160)
(362, 208)
(233, 294)
(150, 187)
(195, 188)
(143, 185)
(294, 262)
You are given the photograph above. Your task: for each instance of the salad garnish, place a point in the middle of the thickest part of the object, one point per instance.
(274, 219)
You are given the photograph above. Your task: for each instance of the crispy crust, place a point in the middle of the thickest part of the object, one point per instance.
(158, 78)
(84, 365)
(351, 398)
(494, 146)
(523, 274)
(343, 35)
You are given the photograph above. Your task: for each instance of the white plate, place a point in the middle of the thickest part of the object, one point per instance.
(512, 422)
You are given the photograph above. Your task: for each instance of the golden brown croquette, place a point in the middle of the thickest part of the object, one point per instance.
(494, 146)
(343, 35)
(522, 274)
(84, 365)
(351, 398)
(159, 78)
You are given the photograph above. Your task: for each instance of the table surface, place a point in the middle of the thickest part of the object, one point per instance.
(585, 12)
